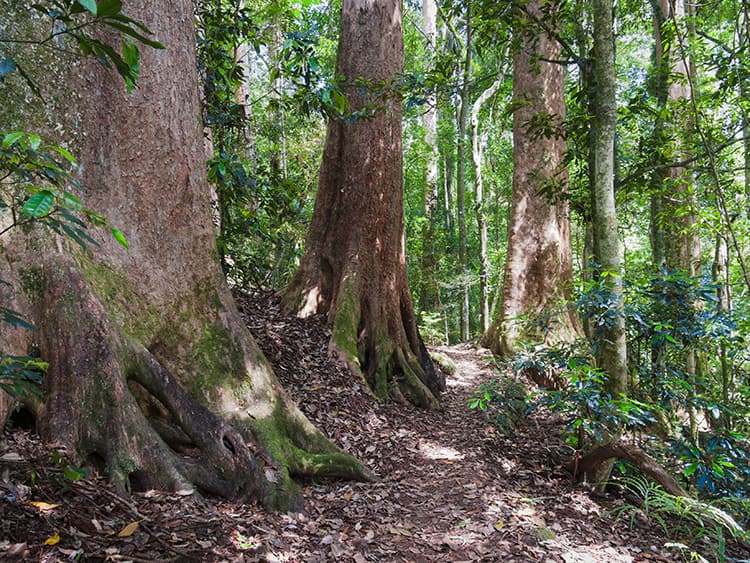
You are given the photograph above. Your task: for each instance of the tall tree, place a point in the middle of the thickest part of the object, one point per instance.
(538, 268)
(463, 146)
(354, 267)
(430, 294)
(152, 372)
(675, 245)
(610, 334)
(476, 157)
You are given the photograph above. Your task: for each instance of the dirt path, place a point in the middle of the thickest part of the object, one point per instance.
(453, 490)
(450, 487)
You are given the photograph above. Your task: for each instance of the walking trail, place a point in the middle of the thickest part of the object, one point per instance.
(450, 487)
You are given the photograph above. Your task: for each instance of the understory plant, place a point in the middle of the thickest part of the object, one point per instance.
(684, 519)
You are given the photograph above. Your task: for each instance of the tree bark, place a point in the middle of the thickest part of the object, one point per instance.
(354, 267)
(476, 154)
(610, 339)
(462, 142)
(147, 352)
(609, 336)
(430, 293)
(539, 263)
(590, 464)
(675, 244)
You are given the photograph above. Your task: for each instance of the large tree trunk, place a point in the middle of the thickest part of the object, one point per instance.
(538, 267)
(354, 268)
(151, 371)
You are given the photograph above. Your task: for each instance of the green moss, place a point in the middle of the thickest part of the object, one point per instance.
(443, 362)
(125, 305)
(187, 331)
(346, 323)
(216, 359)
(298, 452)
(33, 284)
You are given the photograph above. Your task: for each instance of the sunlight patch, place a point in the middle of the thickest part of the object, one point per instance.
(310, 306)
(434, 451)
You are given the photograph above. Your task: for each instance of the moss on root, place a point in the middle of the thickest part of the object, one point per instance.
(299, 452)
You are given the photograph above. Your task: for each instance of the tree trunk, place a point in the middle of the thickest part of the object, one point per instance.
(354, 267)
(430, 294)
(609, 337)
(151, 371)
(675, 244)
(539, 262)
(461, 181)
(476, 153)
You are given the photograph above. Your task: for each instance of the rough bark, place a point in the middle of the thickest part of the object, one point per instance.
(538, 268)
(354, 267)
(151, 371)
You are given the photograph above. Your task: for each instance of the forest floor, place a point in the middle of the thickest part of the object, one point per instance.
(450, 487)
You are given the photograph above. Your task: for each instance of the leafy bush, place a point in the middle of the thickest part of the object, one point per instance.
(504, 401)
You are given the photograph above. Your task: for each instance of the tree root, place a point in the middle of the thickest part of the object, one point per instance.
(110, 398)
(590, 463)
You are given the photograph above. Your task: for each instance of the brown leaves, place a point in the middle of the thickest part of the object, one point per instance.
(499, 498)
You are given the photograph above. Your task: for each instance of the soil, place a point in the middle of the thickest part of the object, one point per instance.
(450, 486)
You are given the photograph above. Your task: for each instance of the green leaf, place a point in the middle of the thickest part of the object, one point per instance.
(35, 141)
(69, 201)
(73, 472)
(64, 153)
(7, 66)
(90, 5)
(130, 56)
(11, 138)
(119, 237)
(40, 204)
(95, 218)
(127, 30)
(108, 8)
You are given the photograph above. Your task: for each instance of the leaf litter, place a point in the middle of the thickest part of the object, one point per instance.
(450, 487)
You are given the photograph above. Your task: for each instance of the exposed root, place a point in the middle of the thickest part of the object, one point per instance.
(591, 462)
(223, 449)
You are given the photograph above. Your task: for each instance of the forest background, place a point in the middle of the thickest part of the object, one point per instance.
(576, 188)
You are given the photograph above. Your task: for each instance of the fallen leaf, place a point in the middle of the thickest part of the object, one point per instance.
(53, 540)
(327, 540)
(128, 530)
(43, 506)
(11, 456)
(15, 551)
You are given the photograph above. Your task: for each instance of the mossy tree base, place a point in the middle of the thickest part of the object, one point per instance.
(354, 268)
(108, 398)
(152, 373)
(375, 334)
